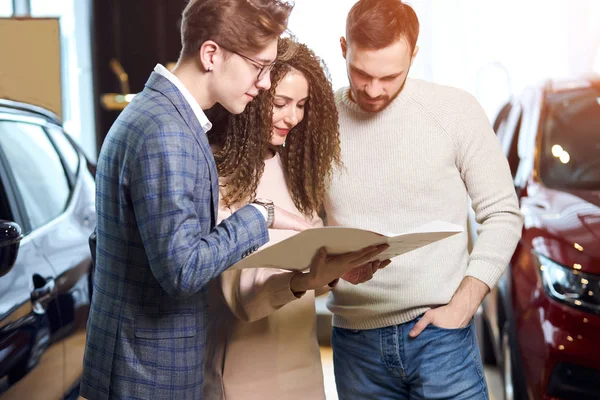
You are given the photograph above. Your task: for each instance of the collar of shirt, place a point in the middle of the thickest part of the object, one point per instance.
(202, 118)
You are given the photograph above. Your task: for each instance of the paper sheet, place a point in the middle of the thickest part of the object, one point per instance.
(296, 252)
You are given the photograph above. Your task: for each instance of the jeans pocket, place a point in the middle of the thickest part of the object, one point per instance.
(452, 329)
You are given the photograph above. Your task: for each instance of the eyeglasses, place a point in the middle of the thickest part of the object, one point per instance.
(263, 69)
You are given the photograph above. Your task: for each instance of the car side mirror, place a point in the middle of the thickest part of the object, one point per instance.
(10, 240)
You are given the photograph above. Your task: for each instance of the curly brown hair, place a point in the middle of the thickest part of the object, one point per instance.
(311, 147)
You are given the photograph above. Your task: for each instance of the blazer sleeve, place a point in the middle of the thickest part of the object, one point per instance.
(164, 176)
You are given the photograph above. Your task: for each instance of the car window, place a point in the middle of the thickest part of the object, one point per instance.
(5, 211)
(37, 170)
(507, 126)
(501, 118)
(570, 156)
(513, 150)
(70, 155)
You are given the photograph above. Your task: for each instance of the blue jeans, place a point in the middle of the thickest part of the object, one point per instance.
(386, 364)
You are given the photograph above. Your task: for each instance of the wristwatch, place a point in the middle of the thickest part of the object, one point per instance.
(268, 205)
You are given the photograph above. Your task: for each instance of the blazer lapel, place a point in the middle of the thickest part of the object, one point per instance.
(163, 85)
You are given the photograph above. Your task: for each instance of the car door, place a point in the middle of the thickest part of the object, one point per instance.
(508, 135)
(507, 127)
(66, 247)
(31, 360)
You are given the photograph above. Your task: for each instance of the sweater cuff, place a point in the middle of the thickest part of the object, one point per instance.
(279, 285)
(485, 272)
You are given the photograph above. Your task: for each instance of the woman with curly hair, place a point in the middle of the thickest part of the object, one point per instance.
(262, 341)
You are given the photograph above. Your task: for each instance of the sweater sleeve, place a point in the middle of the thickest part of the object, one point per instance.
(485, 171)
(255, 293)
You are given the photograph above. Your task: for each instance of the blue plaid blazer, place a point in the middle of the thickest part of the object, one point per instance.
(157, 249)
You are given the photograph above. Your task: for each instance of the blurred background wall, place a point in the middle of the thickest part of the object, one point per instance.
(491, 48)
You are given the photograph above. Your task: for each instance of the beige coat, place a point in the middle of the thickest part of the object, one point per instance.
(262, 340)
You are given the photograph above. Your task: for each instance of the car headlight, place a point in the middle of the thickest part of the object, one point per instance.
(575, 288)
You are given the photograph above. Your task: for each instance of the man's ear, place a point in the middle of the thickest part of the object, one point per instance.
(207, 55)
(344, 46)
(414, 55)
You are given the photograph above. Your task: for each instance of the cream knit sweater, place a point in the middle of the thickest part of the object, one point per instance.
(416, 161)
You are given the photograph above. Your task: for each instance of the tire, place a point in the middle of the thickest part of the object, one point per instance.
(511, 371)
(486, 347)
(484, 339)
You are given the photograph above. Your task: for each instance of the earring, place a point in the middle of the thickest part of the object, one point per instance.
(209, 69)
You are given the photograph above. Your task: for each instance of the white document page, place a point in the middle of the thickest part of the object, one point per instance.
(296, 252)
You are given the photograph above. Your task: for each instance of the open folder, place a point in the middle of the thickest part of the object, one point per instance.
(296, 252)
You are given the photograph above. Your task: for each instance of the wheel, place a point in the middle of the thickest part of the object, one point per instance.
(513, 378)
(507, 371)
(486, 347)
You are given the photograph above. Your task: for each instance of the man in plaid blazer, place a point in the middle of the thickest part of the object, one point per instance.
(157, 194)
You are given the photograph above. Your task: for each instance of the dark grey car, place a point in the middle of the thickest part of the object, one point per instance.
(47, 212)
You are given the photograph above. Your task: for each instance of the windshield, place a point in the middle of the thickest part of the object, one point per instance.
(570, 157)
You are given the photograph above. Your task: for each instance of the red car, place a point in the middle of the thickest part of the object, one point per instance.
(542, 323)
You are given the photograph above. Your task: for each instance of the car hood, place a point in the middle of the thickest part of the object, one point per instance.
(564, 226)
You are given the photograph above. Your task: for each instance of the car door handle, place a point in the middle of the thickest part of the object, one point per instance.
(43, 293)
